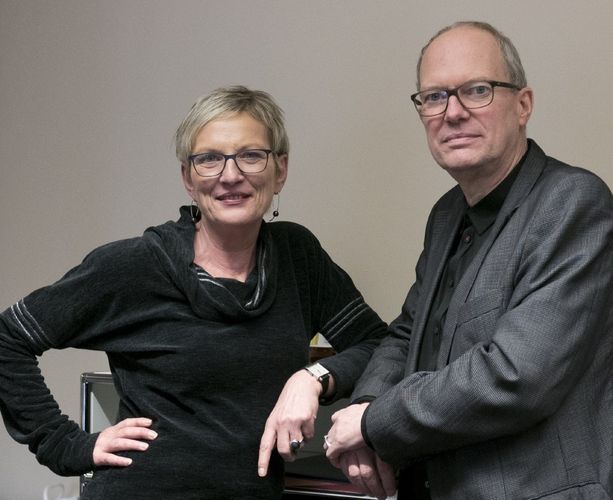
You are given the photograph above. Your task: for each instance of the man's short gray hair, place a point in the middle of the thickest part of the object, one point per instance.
(517, 76)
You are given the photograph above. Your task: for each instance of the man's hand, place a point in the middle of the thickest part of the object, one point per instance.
(368, 472)
(292, 418)
(346, 432)
(127, 435)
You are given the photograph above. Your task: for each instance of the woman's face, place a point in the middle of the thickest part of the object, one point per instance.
(234, 198)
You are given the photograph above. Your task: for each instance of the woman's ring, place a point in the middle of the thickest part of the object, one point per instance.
(295, 445)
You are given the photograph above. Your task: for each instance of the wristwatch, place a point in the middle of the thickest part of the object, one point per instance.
(322, 374)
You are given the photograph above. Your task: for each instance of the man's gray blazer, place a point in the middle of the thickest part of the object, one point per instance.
(521, 404)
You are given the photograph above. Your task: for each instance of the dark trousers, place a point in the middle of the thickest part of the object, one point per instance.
(413, 483)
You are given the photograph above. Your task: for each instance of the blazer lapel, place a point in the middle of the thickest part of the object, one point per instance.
(526, 179)
(445, 226)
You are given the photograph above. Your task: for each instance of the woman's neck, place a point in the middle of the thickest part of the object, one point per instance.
(227, 254)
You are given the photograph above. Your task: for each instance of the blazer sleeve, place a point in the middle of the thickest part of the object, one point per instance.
(529, 348)
(387, 365)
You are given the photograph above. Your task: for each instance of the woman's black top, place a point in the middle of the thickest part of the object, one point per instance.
(205, 358)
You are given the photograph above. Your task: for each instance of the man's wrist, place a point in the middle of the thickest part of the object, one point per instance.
(363, 428)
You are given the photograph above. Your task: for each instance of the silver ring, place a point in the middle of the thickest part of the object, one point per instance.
(327, 443)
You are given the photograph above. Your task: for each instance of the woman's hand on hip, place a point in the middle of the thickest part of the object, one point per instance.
(130, 434)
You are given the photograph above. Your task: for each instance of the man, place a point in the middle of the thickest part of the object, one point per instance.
(496, 381)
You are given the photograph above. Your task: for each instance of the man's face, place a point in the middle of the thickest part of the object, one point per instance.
(476, 143)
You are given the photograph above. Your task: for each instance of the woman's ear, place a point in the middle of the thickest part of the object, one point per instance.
(281, 171)
(187, 179)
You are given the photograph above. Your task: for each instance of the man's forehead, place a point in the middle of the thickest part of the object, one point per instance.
(464, 34)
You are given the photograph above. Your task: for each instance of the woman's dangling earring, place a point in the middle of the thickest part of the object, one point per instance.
(194, 212)
(275, 210)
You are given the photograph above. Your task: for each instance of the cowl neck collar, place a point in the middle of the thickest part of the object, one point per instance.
(209, 298)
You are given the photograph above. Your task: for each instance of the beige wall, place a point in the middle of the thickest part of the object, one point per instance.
(91, 91)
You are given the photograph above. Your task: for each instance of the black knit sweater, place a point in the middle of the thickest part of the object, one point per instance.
(205, 358)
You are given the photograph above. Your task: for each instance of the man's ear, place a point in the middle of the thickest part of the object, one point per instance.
(525, 103)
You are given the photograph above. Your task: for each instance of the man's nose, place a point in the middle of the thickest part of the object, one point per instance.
(455, 110)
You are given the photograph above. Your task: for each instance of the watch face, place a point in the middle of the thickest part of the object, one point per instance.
(318, 370)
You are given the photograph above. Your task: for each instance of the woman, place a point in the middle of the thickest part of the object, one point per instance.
(203, 320)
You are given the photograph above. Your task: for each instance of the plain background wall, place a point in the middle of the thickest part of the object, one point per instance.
(92, 91)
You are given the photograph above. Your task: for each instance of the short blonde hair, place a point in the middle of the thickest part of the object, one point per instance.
(228, 101)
